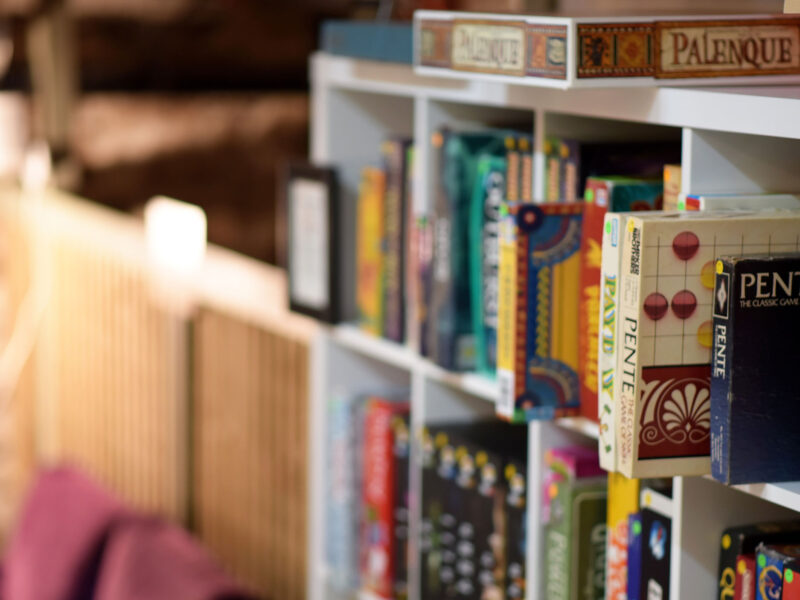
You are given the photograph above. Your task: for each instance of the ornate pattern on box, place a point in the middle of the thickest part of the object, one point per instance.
(511, 48)
(615, 50)
(676, 411)
(731, 48)
(547, 51)
(434, 49)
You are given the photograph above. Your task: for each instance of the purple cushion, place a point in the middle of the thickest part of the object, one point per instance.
(148, 558)
(56, 548)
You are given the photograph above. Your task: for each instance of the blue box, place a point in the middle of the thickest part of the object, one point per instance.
(756, 353)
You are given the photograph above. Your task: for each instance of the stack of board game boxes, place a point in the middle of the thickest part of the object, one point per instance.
(473, 503)
(760, 561)
(474, 495)
(666, 281)
(367, 450)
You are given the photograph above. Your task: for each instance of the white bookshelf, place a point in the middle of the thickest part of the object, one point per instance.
(733, 139)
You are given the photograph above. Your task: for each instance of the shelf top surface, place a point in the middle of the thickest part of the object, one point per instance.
(403, 357)
(760, 110)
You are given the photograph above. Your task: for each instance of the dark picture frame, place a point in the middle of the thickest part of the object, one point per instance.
(312, 240)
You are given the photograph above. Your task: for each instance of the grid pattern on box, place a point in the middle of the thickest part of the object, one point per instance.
(677, 298)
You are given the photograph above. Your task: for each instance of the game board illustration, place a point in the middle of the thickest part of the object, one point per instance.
(672, 308)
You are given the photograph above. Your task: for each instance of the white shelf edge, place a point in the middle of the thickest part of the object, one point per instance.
(786, 493)
(474, 384)
(366, 595)
(581, 425)
(386, 351)
(755, 110)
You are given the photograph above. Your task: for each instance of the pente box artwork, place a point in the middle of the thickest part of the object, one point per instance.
(754, 391)
(664, 353)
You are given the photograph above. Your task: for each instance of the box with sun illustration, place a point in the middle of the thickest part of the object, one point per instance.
(539, 277)
(665, 336)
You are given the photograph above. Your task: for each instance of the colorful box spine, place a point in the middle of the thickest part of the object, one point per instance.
(424, 270)
(481, 534)
(411, 277)
(634, 571)
(745, 587)
(394, 152)
(656, 544)
(575, 540)
(345, 420)
(580, 52)
(552, 148)
(608, 340)
(656, 517)
(451, 338)
(754, 426)
(623, 501)
(770, 564)
(539, 303)
(369, 248)
(672, 186)
(484, 229)
(742, 540)
(570, 184)
(377, 535)
(429, 553)
(666, 335)
(525, 146)
(400, 514)
(693, 202)
(513, 169)
(791, 582)
(603, 194)
(516, 538)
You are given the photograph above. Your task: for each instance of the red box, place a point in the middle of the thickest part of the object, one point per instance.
(377, 527)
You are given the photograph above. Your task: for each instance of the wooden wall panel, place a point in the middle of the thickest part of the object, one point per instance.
(17, 410)
(118, 394)
(250, 439)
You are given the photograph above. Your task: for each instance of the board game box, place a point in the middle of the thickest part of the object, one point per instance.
(490, 185)
(656, 533)
(672, 186)
(603, 195)
(429, 551)
(613, 235)
(791, 581)
(451, 337)
(412, 285)
(623, 501)
(516, 528)
(745, 586)
(401, 452)
(369, 250)
(771, 561)
(742, 540)
(564, 52)
(525, 145)
(634, 555)
(538, 311)
(378, 560)
(753, 416)
(394, 152)
(663, 416)
(343, 483)
(732, 201)
(575, 539)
